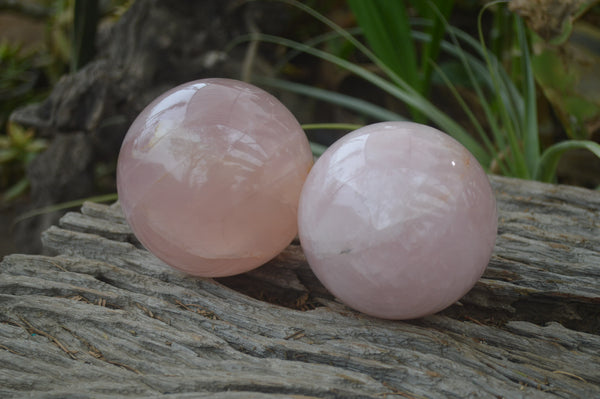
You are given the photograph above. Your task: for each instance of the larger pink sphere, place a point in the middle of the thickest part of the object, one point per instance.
(209, 177)
(398, 220)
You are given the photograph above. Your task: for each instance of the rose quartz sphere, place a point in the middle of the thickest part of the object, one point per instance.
(398, 220)
(209, 177)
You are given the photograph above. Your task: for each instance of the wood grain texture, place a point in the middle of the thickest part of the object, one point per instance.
(104, 318)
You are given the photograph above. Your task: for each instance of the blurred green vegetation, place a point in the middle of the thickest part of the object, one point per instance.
(387, 28)
(496, 76)
(522, 92)
(19, 79)
(569, 75)
(17, 149)
(27, 75)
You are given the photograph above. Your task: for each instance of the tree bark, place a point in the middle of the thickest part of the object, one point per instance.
(105, 318)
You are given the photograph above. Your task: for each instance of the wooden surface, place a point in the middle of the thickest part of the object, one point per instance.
(104, 318)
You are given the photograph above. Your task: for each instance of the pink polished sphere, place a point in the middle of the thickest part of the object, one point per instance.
(398, 220)
(209, 177)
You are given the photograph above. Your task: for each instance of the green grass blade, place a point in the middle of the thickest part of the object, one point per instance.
(331, 126)
(393, 76)
(65, 205)
(530, 135)
(546, 167)
(466, 109)
(509, 126)
(510, 96)
(438, 13)
(317, 149)
(336, 28)
(313, 42)
(475, 70)
(362, 107)
(497, 159)
(407, 95)
(387, 30)
(85, 22)
(499, 82)
(16, 190)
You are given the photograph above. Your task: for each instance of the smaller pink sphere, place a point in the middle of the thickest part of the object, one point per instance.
(398, 220)
(209, 176)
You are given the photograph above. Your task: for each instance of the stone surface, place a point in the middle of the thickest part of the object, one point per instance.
(209, 176)
(398, 220)
(105, 319)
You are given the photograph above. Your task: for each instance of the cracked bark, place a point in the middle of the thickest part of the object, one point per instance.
(104, 318)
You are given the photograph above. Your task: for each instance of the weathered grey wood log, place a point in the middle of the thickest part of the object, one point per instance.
(105, 318)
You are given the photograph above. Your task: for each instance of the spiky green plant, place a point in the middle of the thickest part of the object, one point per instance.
(511, 146)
